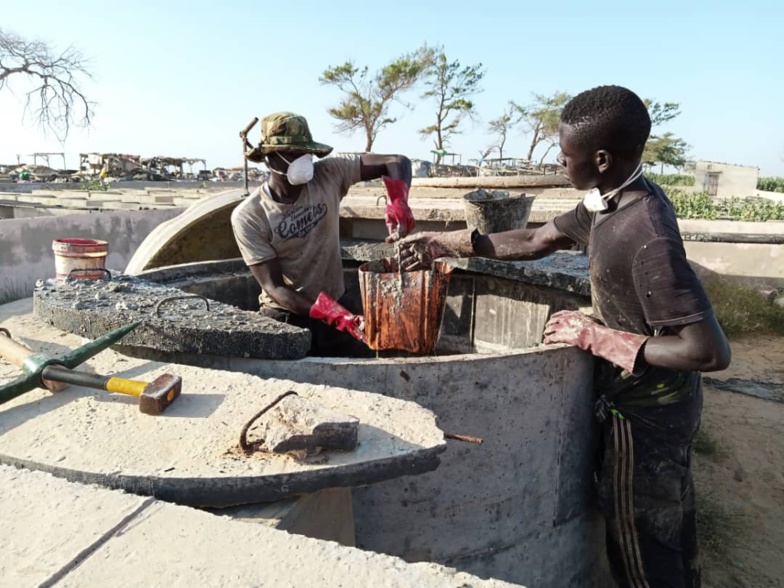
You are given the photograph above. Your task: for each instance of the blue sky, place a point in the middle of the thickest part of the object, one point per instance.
(182, 78)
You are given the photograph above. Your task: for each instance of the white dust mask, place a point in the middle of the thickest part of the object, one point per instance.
(595, 201)
(300, 170)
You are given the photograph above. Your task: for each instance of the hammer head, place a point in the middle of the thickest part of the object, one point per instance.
(160, 393)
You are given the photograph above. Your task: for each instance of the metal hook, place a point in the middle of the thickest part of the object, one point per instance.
(105, 272)
(246, 447)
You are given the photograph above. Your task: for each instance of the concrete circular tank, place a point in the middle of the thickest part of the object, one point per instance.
(517, 507)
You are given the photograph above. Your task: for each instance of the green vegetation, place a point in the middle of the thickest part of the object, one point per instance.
(700, 205)
(671, 179)
(771, 184)
(666, 149)
(707, 445)
(94, 185)
(368, 96)
(541, 118)
(13, 292)
(743, 310)
(697, 205)
(450, 86)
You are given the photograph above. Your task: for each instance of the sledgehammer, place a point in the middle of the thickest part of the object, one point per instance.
(53, 373)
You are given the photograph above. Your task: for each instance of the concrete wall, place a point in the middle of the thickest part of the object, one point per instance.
(774, 196)
(129, 185)
(26, 244)
(734, 180)
(518, 507)
(743, 262)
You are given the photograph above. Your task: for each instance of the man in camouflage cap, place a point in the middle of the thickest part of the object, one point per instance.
(286, 131)
(288, 230)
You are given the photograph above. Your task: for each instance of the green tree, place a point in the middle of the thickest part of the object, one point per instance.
(450, 85)
(54, 96)
(661, 113)
(368, 97)
(666, 149)
(542, 117)
(501, 127)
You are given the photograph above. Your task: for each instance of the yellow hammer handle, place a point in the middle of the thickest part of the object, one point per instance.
(123, 386)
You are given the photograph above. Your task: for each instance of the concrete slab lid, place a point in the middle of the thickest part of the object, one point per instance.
(170, 323)
(65, 534)
(190, 454)
(168, 233)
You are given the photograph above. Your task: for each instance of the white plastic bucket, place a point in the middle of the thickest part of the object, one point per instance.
(80, 254)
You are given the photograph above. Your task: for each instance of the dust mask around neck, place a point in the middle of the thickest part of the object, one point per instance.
(300, 170)
(595, 201)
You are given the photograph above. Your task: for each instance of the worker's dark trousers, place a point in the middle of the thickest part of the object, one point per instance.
(326, 340)
(646, 493)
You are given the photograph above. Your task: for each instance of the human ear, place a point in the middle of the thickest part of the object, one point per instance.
(602, 159)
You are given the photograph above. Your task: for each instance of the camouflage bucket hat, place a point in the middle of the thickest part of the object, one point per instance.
(286, 131)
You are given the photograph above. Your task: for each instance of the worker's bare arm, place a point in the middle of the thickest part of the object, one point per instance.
(522, 243)
(420, 249)
(270, 277)
(700, 346)
(375, 165)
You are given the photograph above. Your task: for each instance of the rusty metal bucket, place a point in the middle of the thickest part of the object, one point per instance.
(403, 311)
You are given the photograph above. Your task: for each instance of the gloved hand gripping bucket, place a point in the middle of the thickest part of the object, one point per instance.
(403, 311)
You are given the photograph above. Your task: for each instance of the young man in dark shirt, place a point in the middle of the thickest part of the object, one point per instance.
(653, 329)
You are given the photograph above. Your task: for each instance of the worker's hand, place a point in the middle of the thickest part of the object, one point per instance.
(418, 251)
(575, 328)
(398, 216)
(328, 310)
(570, 327)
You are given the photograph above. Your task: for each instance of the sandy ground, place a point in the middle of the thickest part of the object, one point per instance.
(745, 475)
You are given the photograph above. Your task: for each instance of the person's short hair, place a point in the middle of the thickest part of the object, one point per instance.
(608, 117)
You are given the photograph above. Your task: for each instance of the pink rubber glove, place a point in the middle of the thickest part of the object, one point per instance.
(574, 328)
(329, 311)
(398, 216)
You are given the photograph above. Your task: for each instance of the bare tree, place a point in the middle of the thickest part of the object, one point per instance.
(56, 100)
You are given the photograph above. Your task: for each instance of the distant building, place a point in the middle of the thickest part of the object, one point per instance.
(725, 180)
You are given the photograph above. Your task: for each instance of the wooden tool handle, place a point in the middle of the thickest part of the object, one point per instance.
(244, 132)
(13, 352)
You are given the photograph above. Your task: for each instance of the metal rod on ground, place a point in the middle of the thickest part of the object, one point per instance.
(465, 438)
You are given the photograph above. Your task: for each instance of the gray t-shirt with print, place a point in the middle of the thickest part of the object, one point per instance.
(303, 236)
